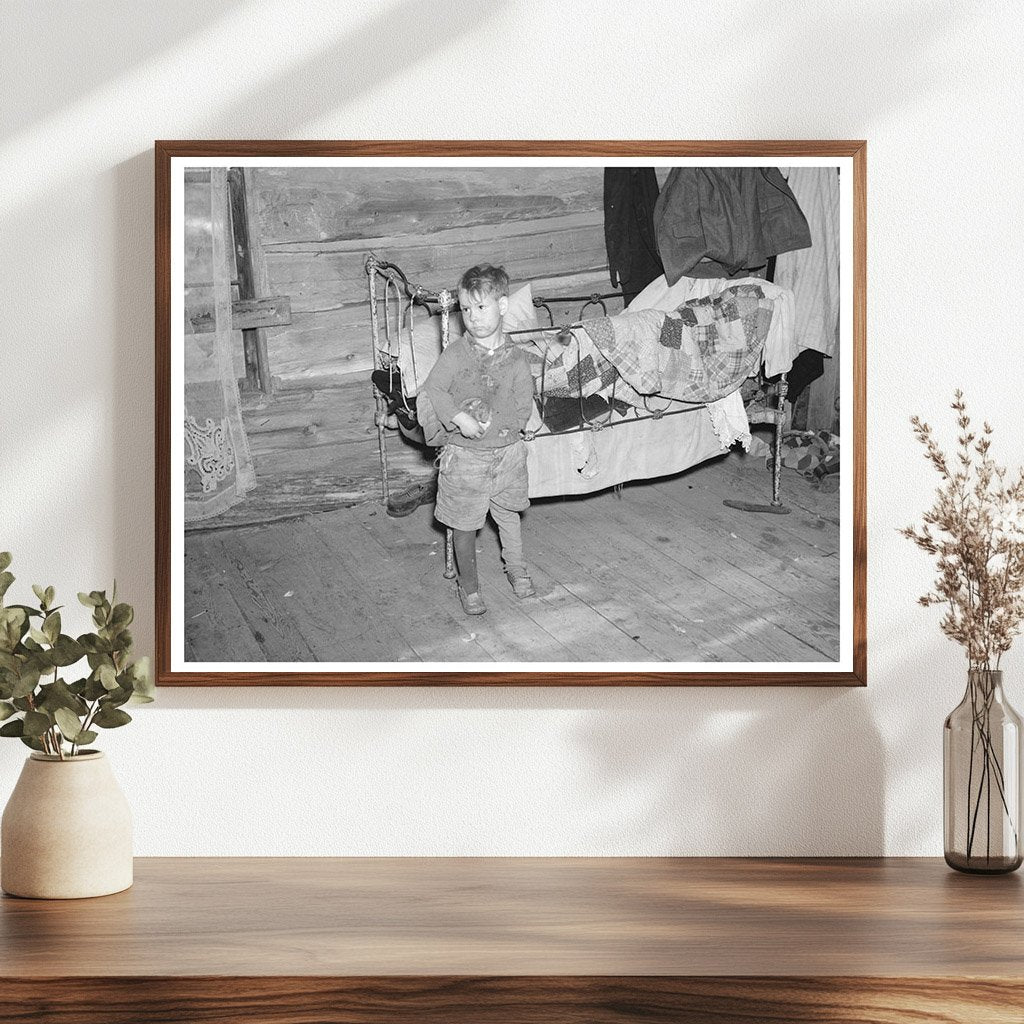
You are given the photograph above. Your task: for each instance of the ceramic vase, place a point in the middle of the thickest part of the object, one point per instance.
(66, 830)
(981, 776)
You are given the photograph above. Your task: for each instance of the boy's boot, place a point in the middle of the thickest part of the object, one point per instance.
(406, 502)
(522, 584)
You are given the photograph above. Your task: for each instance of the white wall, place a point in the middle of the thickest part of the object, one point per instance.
(937, 90)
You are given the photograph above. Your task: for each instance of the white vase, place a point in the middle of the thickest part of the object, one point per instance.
(66, 831)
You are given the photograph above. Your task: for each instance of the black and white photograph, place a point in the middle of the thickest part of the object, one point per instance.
(494, 415)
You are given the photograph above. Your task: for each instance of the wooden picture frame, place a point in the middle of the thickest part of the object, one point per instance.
(256, 308)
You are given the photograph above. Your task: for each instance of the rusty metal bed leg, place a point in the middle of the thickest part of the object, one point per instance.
(449, 554)
(382, 407)
(780, 427)
(447, 301)
(381, 418)
(776, 506)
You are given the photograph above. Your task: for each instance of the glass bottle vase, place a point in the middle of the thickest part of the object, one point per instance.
(981, 774)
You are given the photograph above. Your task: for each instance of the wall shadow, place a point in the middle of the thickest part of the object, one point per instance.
(117, 36)
(739, 772)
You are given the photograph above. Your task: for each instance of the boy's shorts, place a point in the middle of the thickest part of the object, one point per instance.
(470, 480)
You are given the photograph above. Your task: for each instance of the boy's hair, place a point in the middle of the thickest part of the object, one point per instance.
(484, 280)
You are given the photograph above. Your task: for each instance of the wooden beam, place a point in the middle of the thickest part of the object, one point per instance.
(461, 236)
(253, 314)
(251, 279)
(247, 314)
(316, 204)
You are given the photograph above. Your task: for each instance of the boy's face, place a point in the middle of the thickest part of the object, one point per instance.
(482, 314)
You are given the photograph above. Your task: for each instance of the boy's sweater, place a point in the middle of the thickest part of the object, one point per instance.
(468, 377)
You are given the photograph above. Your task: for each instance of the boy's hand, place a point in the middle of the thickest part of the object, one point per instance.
(469, 425)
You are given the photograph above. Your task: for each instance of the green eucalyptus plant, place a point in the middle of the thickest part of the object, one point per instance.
(47, 713)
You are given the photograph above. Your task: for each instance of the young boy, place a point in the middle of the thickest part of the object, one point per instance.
(481, 390)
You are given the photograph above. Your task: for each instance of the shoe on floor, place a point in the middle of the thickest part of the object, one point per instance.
(522, 585)
(407, 501)
(472, 604)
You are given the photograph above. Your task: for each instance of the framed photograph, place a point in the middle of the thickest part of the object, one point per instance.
(492, 413)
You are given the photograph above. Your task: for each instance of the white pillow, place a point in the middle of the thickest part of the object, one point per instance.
(417, 359)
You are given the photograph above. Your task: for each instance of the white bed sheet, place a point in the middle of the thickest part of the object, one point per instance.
(589, 460)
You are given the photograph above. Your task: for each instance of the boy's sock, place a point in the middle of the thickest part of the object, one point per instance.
(465, 559)
(510, 533)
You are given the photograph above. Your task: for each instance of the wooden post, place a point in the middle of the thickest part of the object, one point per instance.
(252, 276)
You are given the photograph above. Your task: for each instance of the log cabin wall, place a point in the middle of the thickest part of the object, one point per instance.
(313, 441)
(544, 225)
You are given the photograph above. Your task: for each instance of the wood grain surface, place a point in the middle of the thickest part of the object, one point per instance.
(523, 939)
(512, 1000)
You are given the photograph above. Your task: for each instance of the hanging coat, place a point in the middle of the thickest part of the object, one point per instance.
(630, 194)
(726, 221)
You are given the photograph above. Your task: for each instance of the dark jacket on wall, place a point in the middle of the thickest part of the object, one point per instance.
(726, 221)
(629, 197)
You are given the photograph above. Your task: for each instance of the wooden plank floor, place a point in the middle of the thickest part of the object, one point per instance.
(662, 572)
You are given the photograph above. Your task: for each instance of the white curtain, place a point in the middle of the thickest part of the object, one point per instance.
(218, 467)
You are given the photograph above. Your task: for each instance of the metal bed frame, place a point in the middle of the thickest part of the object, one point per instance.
(406, 296)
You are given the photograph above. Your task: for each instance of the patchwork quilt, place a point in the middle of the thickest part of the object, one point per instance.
(572, 368)
(701, 352)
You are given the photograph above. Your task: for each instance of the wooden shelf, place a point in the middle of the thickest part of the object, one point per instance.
(573, 941)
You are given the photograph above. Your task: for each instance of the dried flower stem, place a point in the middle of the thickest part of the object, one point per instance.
(975, 530)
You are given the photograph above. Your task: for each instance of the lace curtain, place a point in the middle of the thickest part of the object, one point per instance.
(218, 466)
